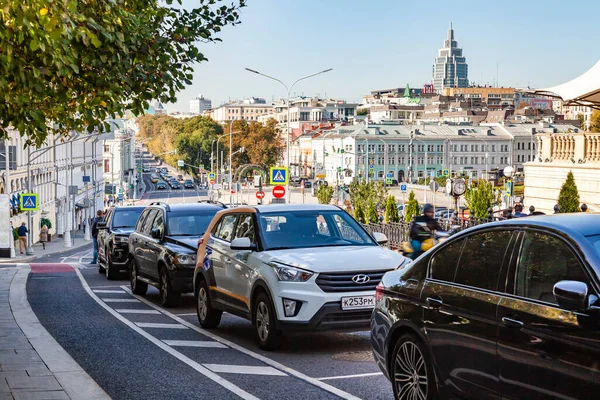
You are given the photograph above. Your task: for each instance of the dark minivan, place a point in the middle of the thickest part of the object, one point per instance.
(506, 310)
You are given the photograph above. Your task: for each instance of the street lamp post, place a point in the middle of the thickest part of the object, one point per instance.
(289, 91)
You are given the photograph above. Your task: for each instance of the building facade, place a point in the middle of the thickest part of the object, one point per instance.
(249, 110)
(200, 104)
(494, 98)
(450, 68)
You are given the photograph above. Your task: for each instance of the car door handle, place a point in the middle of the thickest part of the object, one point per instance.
(435, 302)
(512, 323)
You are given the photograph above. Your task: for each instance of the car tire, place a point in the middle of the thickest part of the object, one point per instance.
(411, 371)
(110, 273)
(137, 286)
(208, 317)
(263, 320)
(168, 296)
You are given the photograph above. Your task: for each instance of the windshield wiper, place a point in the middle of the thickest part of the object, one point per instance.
(281, 248)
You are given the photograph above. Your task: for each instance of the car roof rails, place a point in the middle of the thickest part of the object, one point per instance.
(217, 203)
(161, 203)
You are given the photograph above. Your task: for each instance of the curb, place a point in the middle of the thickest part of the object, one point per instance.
(74, 380)
(27, 260)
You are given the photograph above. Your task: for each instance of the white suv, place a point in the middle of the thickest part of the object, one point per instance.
(289, 267)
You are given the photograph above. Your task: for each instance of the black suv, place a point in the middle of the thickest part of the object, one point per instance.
(505, 310)
(162, 249)
(113, 233)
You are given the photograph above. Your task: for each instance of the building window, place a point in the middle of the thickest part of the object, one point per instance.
(371, 148)
(493, 147)
(430, 160)
(455, 148)
(421, 147)
(454, 160)
(392, 148)
(391, 160)
(402, 147)
(380, 174)
(420, 174)
(420, 160)
(381, 148)
(440, 159)
(380, 160)
(107, 148)
(430, 147)
(361, 148)
(106, 166)
(493, 160)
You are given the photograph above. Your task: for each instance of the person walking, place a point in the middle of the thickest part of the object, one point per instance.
(44, 236)
(22, 231)
(94, 231)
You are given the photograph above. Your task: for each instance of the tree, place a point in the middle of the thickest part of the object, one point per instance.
(262, 143)
(595, 121)
(480, 197)
(359, 213)
(581, 120)
(391, 210)
(412, 208)
(71, 64)
(363, 112)
(324, 194)
(372, 213)
(568, 198)
(364, 193)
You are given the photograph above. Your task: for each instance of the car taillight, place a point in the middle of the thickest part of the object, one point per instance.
(379, 291)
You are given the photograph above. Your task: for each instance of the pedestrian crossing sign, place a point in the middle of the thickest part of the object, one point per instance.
(211, 175)
(29, 202)
(278, 176)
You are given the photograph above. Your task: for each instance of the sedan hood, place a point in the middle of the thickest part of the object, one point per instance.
(337, 259)
(123, 231)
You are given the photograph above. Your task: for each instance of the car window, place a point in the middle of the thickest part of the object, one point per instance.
(322, 227)
(125, 218)
(189, 223)
(444, 261)
(545, 260)
(245, 227)
(148, 222)
(481, 259)
(595, 241)
(346, 231)
(140, 222)
(226, 227)
(159, 222)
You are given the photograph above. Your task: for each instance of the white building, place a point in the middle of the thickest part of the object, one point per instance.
(199, 104)
(450, 68)
(118, 153)
(250, 110)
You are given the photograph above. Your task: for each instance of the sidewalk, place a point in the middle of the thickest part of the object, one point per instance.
(55, 247)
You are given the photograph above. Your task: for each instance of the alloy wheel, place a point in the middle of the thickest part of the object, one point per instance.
(410, 373)
(133, 276)
(202, 306)
(262, 321)
(164, 294)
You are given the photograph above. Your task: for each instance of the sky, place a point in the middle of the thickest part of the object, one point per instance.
(381, 44)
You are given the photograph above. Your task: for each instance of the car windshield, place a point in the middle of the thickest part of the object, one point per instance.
(595, 240)
(126, 218)
(189, 223)
(311, 228)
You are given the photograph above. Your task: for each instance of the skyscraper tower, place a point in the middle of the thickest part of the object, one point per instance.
(450, 68)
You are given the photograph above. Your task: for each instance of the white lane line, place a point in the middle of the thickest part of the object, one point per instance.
(350, 376)
(131, 311)
(202, 370)
(159, 326)
(186, 314)
(120, 300)
(244, 369)
(195, 343)
(104, 286)
(266, 360)
(108, 291)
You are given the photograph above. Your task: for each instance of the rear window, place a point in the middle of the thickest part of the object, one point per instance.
(189, 223)
(126, 218)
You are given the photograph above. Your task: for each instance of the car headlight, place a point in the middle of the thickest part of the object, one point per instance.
(185, 259)
(290, 274)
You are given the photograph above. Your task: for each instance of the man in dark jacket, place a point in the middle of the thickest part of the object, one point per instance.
(94, 232)
(422, 229)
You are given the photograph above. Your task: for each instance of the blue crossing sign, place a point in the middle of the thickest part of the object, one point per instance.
(211, 175)
(403, 187)
(278, 176)
(29, 202)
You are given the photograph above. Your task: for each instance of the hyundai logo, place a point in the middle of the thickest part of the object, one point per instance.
(361, 279)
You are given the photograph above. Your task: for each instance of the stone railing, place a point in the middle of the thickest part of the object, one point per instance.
(577, 148)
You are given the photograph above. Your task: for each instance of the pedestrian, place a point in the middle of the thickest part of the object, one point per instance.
(22, 231)
(98, 218)
(44, 236)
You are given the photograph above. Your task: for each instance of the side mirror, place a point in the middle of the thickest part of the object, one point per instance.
(155, 233)
(571, 295)
(242, 243)
(380, 238)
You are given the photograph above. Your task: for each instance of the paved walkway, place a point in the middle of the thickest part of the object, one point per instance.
(55, 247)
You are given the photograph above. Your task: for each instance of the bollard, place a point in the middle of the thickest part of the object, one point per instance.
(556, 208)
(510, 213)
(491, 214)
(584, 207)
(531, 210)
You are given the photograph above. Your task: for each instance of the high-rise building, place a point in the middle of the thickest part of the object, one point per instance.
(450, 68)
(199, 105)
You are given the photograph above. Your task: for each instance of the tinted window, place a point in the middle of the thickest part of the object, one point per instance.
(159, 222)
(544, 261)
(226, 227)
(140, 221)
(125, 218)
(245, 227)
(148, 221)
(189, 223)
(444, 262)
(482, 258)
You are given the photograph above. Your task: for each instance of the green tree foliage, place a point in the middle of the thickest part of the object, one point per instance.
(359, 213)
(480, 197)
(45, 221)
(581, 120)
(71, 64)
(372, 213)
(412, 208)
(391, 210)
(568, 198)
(363, 193)
(262, 143)
(595, 121)
(363, 112)
(324, 194)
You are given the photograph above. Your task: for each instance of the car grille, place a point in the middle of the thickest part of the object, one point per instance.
(358, 315)
(342, 281)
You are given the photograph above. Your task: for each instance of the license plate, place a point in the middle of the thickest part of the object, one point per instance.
(350, 303)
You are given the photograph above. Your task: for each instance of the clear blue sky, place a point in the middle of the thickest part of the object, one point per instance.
(380, 44)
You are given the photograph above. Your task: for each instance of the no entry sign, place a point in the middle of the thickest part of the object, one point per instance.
(260, 195)
(278, 192)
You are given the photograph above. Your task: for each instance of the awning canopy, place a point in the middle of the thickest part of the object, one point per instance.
(581, 91)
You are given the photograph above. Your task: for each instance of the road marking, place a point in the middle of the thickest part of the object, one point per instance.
(120, 300)
(195, 343)
(136, 327)
(108, 291)
(159, 326)
(186, 314)
(130, 311)
(266, 360)
(350, 376)
(105, 286)
(244, 369)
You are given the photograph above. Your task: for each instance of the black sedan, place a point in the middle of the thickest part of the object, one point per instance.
(188, 184)
(503, 310)
(161, 186)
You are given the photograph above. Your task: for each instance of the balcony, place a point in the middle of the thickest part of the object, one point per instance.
(580, 148)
